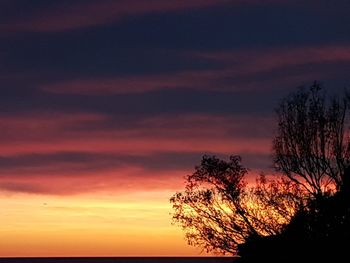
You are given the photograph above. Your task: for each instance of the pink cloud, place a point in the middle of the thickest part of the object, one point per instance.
(140, 145)
(122, 181)
(135, 84)
(196, 133)
(50, 134)
(48, 120)
(40, 126)
(264, 60)
(117, 180)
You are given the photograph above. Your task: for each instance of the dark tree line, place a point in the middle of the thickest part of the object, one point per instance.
(303, 213)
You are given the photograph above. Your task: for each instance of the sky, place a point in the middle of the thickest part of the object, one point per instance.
(106, 105)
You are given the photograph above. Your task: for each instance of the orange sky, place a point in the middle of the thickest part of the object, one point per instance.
(97, 224)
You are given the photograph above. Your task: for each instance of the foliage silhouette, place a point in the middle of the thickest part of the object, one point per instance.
(219, 211)
(312, 146)
(304, 213)
(318, 233)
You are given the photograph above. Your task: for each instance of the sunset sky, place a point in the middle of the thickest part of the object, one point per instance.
(106, 105)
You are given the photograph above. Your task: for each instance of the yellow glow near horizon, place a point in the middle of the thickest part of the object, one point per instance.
(90, 225)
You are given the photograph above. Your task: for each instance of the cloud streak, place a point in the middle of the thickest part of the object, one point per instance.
(212, 133)
(119, 181)
(73, 15)
(265, 60)
(82, 14)
(69, 155)
(240, 70)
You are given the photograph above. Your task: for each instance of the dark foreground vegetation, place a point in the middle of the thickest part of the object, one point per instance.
(318, 233)
(303, 213)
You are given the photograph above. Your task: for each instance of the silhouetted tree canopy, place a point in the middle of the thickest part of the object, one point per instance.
(219, 211)
(303, 212)
(312, 144)
(211, 208)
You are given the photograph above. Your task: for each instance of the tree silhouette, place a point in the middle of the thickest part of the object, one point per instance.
(304, 211)
(312, 145)
(211, 208)
(218, 211)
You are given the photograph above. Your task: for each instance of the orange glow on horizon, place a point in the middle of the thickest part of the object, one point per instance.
(69, 190)
(138, 224)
